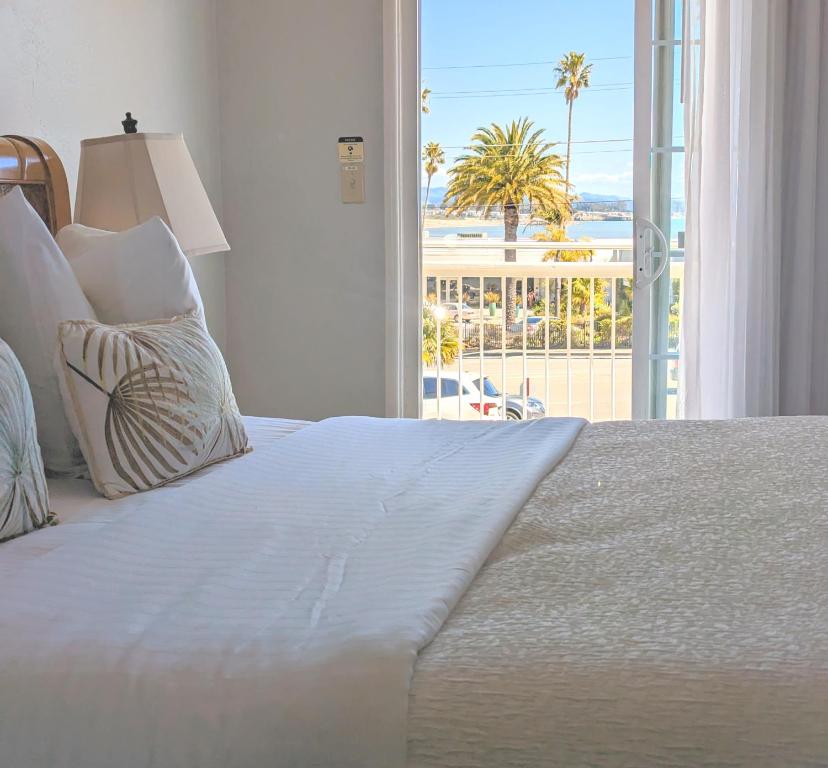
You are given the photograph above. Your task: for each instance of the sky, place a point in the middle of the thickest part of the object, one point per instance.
(462, 38)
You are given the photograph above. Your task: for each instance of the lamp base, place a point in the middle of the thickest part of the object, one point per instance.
(130, 124)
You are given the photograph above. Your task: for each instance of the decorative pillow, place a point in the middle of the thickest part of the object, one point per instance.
(151, 402)
(37, 290)
(132, 276)
(24, 498)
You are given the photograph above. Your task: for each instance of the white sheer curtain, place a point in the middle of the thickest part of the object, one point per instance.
(755, 305)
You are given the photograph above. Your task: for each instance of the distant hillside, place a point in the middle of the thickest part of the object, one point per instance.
(587, 201)
(591, 197)
(591, 201)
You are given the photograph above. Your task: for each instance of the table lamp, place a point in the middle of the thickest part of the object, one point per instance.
(128, 178)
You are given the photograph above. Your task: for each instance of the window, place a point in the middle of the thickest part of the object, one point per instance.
(449, 388)
(489, 389)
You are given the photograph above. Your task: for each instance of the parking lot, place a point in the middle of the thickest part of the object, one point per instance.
(576, 376)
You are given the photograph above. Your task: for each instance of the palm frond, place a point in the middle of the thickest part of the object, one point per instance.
(505, 167)
(573, 74)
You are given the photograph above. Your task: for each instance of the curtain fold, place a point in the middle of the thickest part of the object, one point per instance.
(755, 314)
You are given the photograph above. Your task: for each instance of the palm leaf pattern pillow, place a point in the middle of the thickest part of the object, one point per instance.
(24, 498)
(150, 402)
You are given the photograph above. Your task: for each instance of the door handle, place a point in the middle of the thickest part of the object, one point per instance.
(642, 253)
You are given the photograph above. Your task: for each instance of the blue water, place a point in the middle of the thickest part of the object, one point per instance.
(595, 230)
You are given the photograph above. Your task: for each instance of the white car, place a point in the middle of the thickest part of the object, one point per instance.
(516, 409)
(453, 311)
(453, 404)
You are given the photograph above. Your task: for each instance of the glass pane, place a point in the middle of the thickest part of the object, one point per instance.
(558, 342)
(471, 295)
(677, 16)
(678, 107)
(448, 387)
(667, 200)
(677, 207)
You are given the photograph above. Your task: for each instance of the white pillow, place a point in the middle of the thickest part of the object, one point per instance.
(152, 402)
(38, 290)
(132, 276)
(24, 496)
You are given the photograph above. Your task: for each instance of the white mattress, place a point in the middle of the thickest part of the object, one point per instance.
(77, 502)
(661, 600)
(265, 611)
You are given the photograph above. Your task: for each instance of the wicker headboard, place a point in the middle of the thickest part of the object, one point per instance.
(33, 165)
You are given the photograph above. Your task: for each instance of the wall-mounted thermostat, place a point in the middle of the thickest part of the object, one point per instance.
(351, 149)
(352, 169)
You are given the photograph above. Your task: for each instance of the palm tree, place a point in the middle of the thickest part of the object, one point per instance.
(449, 341)
(424, 100)
(573, 74)
(505, 167)
(433, 157)
(557, 234)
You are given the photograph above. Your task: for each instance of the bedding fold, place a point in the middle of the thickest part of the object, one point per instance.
(266, 611)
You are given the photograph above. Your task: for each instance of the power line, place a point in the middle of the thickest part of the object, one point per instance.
(526, 88)
(453, 158)
(550, 141)
(534, 92)
(520, 63)
(539, 90)
(455, 155)
(583, 152)
(601, 151)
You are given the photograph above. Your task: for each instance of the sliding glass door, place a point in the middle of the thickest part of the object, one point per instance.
(658, 207)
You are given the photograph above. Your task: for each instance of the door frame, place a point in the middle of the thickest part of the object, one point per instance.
(652, 163)
(403, 254)
(642, 200)
(403, 260)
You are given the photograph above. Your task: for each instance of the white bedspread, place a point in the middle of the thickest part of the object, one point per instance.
(660, 602)
(264, 612)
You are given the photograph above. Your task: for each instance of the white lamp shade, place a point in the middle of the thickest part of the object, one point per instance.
(127, 179)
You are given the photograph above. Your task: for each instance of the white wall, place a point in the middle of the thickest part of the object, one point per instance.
(69, 69)
(306, 276)
(261, 90)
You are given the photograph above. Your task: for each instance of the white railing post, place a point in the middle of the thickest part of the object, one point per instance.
(591, 348)
(525, 325)
(438, 319)
(460, 326)
(480, 342)
(503, 344)
(613, 303)
(547, 299)
(569, 347)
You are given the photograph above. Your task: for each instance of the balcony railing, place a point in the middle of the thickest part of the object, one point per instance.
(569, 344)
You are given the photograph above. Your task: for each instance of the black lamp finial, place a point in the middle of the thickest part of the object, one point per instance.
(130, 124)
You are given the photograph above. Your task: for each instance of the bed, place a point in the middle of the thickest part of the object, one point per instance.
(648, 594)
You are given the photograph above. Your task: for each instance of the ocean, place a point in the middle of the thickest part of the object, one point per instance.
(594, 230)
